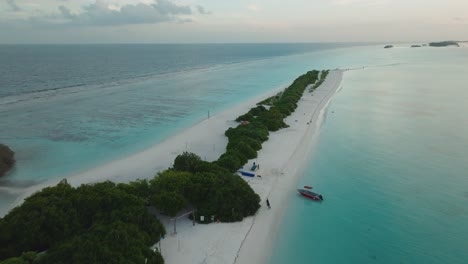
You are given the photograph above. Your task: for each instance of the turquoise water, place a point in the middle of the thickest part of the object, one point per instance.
(392, 166)
(390, 161)
(67, 109)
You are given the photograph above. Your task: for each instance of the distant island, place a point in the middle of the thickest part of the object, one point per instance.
(7, 159)
(444, 44)
(388, 47)
(415, 46)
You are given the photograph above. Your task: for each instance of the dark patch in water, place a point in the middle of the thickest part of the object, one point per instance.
(466, 194)
(11, 183)
(373, 257)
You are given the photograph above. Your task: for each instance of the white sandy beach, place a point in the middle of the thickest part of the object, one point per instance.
(282, 160)
(205, 138)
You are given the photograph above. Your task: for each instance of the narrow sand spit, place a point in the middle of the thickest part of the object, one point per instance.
(205, 138)
(282, 160)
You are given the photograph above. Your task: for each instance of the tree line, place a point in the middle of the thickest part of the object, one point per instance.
(110, 223)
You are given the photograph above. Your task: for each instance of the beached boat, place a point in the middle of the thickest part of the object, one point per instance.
(310, 194)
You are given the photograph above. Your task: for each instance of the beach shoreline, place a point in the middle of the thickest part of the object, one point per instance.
(263, 232)
(282, 159)
(205, 138)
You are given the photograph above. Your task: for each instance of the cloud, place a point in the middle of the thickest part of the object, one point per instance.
(66, 13)
(202, 10)
(252, 7)
(100, 13)
(13, 6)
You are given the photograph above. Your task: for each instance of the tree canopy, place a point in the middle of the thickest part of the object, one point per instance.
(246, 139)
(98, 223)
(110, 223)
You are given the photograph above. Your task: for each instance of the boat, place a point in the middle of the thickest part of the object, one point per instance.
(310, 194)
(308, 187)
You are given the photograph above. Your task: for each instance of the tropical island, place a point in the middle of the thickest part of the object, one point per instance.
(444, 44)
(109, 222)
(7, 159)
(388, 46)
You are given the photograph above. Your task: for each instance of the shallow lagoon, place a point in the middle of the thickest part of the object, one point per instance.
(391, 165)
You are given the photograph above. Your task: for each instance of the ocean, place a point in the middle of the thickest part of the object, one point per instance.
(392, 151)
(65, 109)
(391, 163)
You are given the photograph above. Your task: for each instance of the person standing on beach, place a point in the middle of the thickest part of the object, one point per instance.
(268, 204)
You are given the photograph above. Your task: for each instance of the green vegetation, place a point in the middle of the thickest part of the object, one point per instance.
(7, 159)
(270, 100)
(209, 188)
(256, 111)
(110, 223)
(323, 76)
(444, 44)
(246, 139)
(99, 223)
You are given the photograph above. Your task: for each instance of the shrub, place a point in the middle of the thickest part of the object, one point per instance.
(187, 162)
(232, 162)
(214, 192)
(169, 203)
(245, 117)
(71, 223)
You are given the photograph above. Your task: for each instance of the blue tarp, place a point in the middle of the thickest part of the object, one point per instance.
(249, 174)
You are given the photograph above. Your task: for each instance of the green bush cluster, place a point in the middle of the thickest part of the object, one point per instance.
(246, 140)
(270, 100)
(254, 112)
(110, 223)
(99, 223)
(7, 159)
(323, 76)
(210, 189)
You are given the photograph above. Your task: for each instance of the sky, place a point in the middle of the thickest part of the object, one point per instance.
(227, 21)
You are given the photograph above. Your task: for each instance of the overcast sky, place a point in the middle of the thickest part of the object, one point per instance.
(207, 21)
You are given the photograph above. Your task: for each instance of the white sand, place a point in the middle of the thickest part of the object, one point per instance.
(205, 138)
(282, 160)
